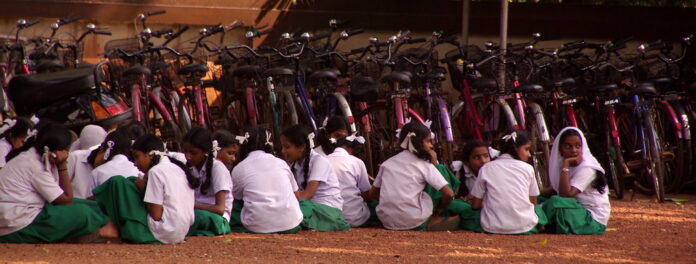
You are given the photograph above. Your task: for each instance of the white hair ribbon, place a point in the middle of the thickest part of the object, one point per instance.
(158, 153)
(355, 137)
(7, 124)
(333, 140)
(268, 139)
(512, 136)
(242, 139)
(110, 145)
(30, 134)
(46, 158)
(216, 148)
(398, 130)
(34, 119)
(324, 123)
(408, 143)
(310, 138)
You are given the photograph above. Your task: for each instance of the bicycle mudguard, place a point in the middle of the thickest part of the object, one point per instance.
(345, 108)
(673, 118)
(445, 119)
(683, 117)
(541, 121)
(509, 114)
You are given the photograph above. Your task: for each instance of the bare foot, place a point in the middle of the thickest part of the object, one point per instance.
(109, 231)
(443, 224)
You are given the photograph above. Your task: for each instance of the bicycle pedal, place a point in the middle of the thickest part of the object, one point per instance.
(634, 164)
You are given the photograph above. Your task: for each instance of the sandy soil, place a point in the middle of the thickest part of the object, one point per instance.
(640, 231)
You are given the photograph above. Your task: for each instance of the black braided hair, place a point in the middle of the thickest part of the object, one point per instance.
(150, 142)
(224, 138)
(297, 135)
(19, 129)
(201, 138)
(58, 142)
(333, 124)
(600, 181)
(256, 141)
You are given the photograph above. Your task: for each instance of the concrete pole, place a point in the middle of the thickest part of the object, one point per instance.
(466, 5)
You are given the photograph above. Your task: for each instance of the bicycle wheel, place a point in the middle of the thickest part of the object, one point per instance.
(380, 138)
(656, 167)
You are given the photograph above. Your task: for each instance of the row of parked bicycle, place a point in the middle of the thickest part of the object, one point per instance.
(633, 103)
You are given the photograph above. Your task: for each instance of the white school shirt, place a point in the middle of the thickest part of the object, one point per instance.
(403, 204)
(320, 169)
(178, 156)
(167, 186)
(464, 174)
(320, 151)
(80, 172)
(118, 165)
(266, 185)
(505, 186)
(353, 180)
(25, 187)
(595, 202)
(221, 181)
(5, 148)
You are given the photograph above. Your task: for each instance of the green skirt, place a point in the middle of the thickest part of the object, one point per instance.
(60, 222)
(322, 217)
(470, 219)
(123, 202)
(452, 182)
(237, 226)
(568, 216)
(208, 224)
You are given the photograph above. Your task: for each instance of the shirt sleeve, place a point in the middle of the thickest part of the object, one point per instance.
(480, 187)
(46, 185)
(363, 178)
(583, 178)
(222, 180)
(378, 180)
(319, 169)
(533, 185)
(72, 161)
(237, 188)
(154, 192)
(434, 178)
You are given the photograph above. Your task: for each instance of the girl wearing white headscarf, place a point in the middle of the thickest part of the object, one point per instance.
(582, 204)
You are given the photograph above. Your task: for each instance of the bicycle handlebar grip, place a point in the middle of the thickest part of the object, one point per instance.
(655, 45)
(264, 32)
(108, 33)
(358, 50)
(320, 36)
(216, 29)
(355, 31)
(65, 21)
(31, 23)
(179, 32)
(161, 32)
(574, 45)
(418, 40)
(156, 12)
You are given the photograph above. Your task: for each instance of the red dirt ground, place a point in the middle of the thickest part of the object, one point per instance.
(640, 231)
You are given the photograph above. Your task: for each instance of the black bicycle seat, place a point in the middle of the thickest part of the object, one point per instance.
(193, 68)
(247, 70)
(279, 71)
(645, 88)
(137, 69)
(561, 82)
(529, 88)
(603, 88)
(397, 76)
(330, 74)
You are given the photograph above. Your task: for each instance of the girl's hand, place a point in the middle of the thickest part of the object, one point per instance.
(468, 198)
(572, 162)
(59, 158)
(433, 155)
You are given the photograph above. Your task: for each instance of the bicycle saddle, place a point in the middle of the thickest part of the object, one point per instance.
(331, 74)
(645, 88)
(137, 69)
(562, 82)
(603, 88)
(404, 77)
(279, 71)
(437, 73)
(529, 88)
(247, 70)
(193, 68)
(160, 65)
(485, 84)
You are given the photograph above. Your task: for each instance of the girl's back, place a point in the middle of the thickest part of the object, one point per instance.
(167, 185)
(266, 185)
(353, 180)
